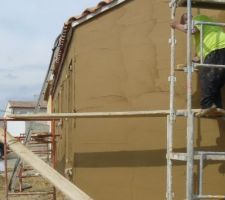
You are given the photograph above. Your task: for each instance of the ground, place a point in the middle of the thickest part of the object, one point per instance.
(38, 184)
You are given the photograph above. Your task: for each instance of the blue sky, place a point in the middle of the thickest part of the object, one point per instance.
(28, 29)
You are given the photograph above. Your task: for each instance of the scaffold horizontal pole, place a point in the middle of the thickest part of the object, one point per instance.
(209, 23)
(197, 65)
(29, 193)
(216, 156)
(209, 197)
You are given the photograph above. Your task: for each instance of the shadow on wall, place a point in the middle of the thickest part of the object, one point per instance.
(61, 165)
(146, 158)
(151, 158)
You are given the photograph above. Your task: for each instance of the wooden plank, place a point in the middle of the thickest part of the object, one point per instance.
(61, 183)
(52, 116)
(151, 113)
(154, 113)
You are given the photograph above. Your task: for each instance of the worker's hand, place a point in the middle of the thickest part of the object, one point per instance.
(196, 59)
(173, 24)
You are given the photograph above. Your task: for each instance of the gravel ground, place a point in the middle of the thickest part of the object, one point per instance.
(38, 184)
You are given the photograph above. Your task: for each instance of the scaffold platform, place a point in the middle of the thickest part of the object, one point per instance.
(207, 4)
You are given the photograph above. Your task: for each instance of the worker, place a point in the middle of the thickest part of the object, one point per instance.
(212, 78)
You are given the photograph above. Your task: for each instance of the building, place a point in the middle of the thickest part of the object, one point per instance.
(115, 57)
(24, 107)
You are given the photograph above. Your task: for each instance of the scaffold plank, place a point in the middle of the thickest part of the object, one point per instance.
(207, 4)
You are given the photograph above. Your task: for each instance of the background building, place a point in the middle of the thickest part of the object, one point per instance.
(24, 107)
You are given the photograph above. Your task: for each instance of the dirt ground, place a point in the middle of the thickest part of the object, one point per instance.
(38, 184)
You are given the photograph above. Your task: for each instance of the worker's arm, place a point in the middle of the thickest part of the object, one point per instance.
(196, 59)
(176, 25)
(181, 27)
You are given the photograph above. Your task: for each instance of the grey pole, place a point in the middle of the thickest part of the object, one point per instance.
(171, 117)
(190, 117)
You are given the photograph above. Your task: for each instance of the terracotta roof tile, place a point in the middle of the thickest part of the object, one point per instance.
(89, 11)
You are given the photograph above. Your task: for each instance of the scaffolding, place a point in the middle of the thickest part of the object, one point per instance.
(172, 113)
(208, 4)
(41, 144)
(191, 154)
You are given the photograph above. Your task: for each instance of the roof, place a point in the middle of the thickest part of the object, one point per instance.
(64, 38)
(24, 104)
(67, 26)
(47, 90)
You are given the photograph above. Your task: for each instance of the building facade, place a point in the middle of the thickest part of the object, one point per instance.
(119, 61)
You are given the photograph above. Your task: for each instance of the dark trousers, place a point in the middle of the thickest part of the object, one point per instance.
(212, 79)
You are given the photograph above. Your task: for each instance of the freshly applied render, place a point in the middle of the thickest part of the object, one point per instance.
(119, 61)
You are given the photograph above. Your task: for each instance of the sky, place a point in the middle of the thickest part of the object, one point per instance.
(28, 29)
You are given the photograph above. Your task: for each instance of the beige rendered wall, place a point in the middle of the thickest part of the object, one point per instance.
(120, 61)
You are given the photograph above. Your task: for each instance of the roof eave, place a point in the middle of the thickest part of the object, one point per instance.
(74, 22)
(101, 10)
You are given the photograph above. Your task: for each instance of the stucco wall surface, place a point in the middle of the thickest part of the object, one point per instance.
(120, 61)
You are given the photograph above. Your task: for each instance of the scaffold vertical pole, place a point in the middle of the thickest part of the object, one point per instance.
(201, 173)
(5, 161)
(201, 42)
(53, 154)
(171, 117)
(20, 177)
(169, 194)
(190, 116)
